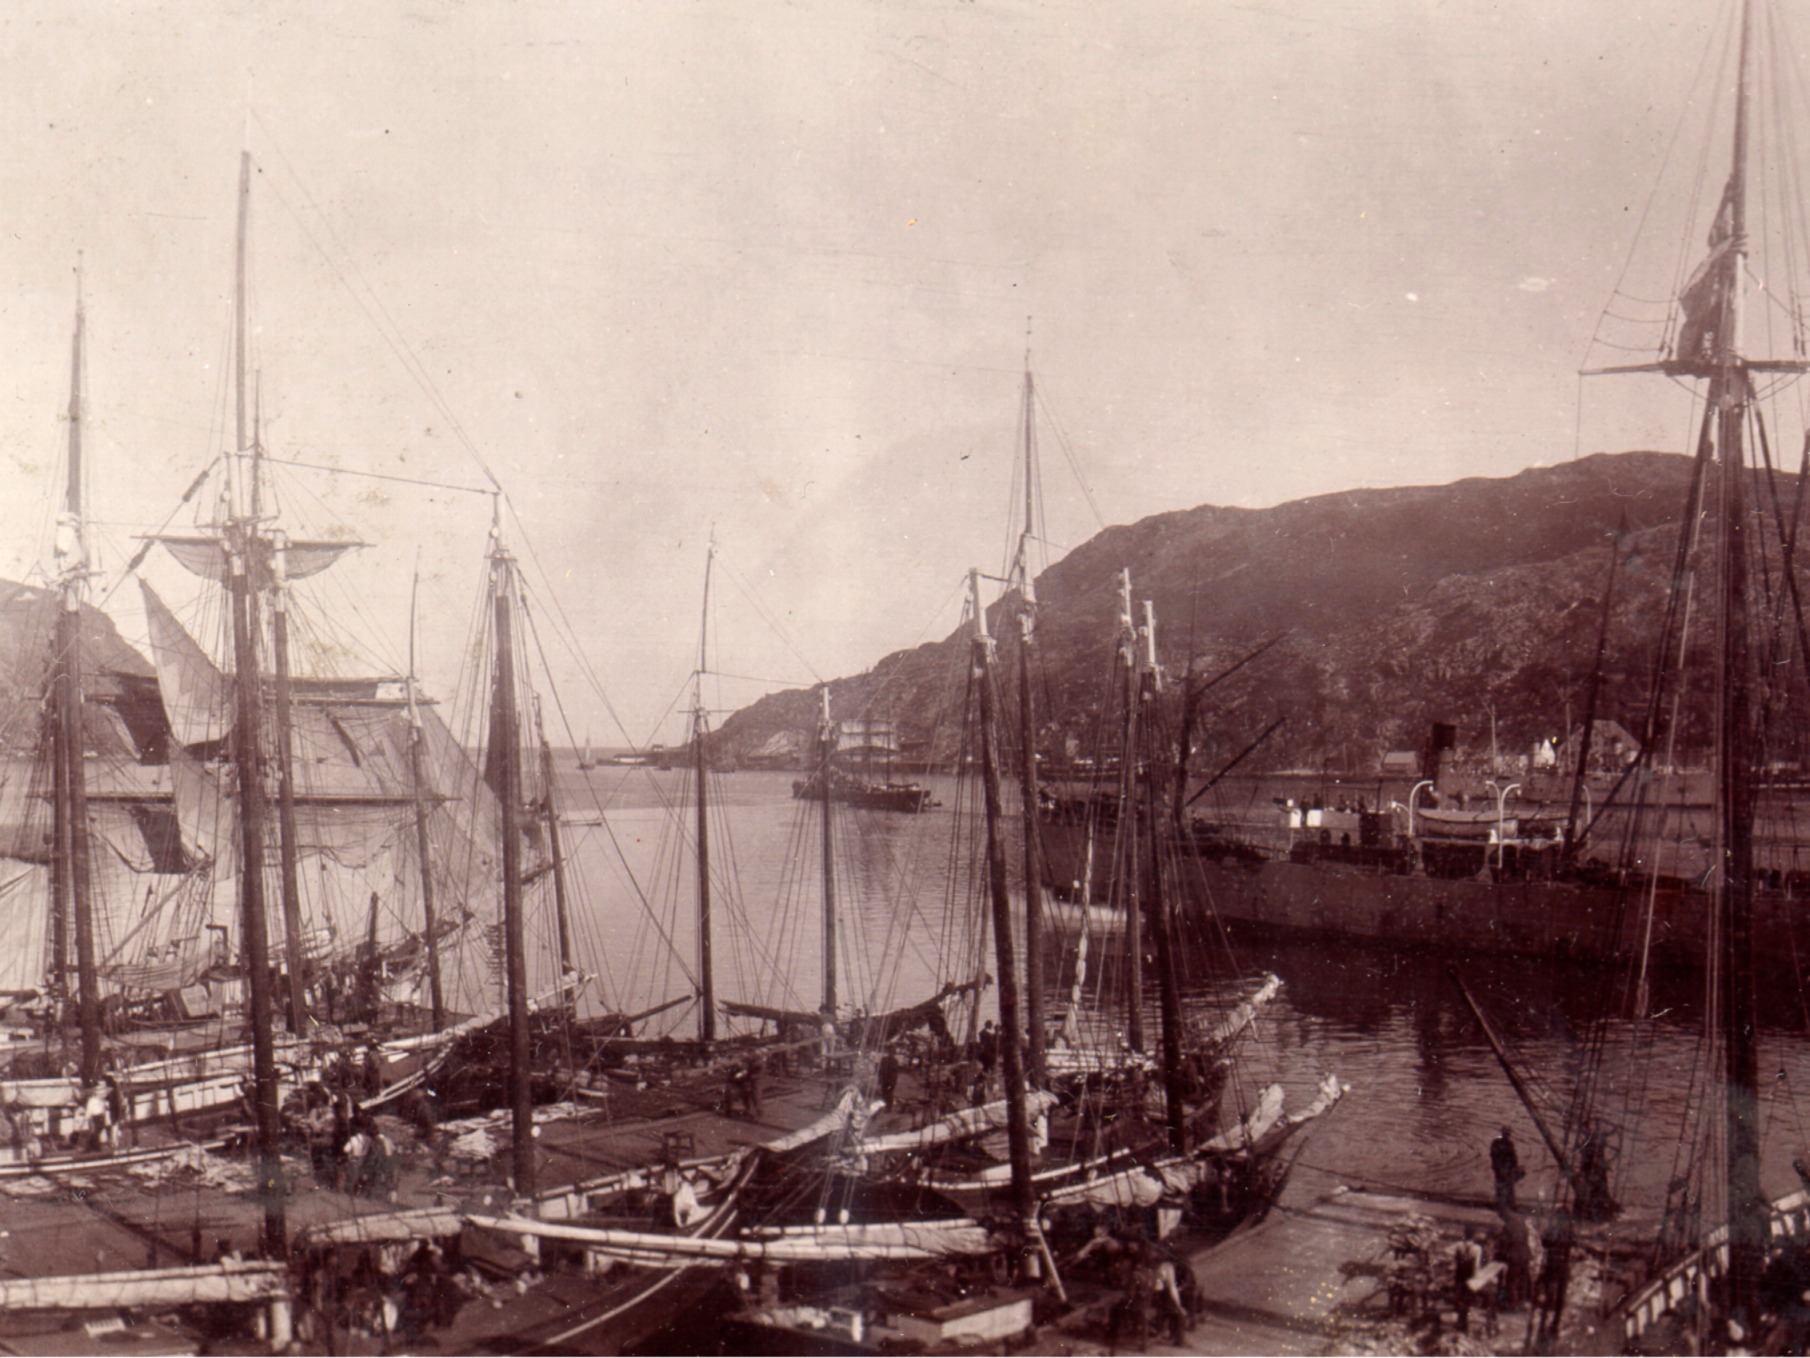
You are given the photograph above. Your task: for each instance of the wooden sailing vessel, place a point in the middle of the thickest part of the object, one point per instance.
(164, 849)
(1039, 1152)
(1717, 1273)
(845, 767)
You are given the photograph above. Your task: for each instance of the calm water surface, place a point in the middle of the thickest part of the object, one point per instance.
(1427, 1094)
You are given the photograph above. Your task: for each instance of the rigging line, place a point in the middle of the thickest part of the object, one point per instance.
(150, 539)
(659, 722)
(746, 587)
(270, 461)
(533, 631)
(563, 627)
(1068, 455)
(562, 624)
(751, 679)
(891, 685)
(1672, 146)
(729, 878)
(1792, 85)
(371, 303)
(1600, 343)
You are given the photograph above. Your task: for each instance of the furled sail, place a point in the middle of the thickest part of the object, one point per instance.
(965, 1122)
(206, 556)
(816, 1244)
(1704, 298)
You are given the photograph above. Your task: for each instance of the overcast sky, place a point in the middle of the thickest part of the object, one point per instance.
(766, 268)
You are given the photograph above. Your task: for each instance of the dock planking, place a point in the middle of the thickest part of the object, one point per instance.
(79, 1223)
(1304, 1277)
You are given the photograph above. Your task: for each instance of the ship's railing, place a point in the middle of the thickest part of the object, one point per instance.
(1693, 1275)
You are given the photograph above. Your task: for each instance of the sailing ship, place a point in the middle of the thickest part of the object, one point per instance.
(126, 901)
(1721, 1267)
(1076, 1133)
(244, 863)
(845, 768)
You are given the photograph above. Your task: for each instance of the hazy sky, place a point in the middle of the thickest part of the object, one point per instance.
(767, 267)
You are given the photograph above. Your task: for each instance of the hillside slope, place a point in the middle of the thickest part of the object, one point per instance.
(1389, 609)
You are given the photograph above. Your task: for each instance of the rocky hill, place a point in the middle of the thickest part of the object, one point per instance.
(1388, 610)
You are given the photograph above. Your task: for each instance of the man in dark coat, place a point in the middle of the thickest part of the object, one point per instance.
(889, 1075)
(1507, 1167)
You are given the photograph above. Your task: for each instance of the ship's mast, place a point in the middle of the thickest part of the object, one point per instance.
(242, 544)
(505, 744)
(556, 848)
(826, 748)
(1027, 769)
(295, 968)
(1730, 400)
(1581, 773)
(700, 724)
(71, 774)
(423, 847)
(1128, 824)
(1160, 921)
(1011, 1026)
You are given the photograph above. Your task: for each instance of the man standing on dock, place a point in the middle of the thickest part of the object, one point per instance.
(1467, 1263)
(1507, 1167)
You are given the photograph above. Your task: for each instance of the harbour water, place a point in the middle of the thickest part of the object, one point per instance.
(1427, 1092)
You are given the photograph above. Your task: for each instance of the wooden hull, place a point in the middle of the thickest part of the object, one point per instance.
(1699, 1275)
(591, 1308)
(909, 798)
(1559, 920)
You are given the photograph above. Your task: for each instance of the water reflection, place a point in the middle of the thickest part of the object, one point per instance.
(1427, 1097)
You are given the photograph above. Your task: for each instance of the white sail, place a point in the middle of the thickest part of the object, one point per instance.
(193, 689)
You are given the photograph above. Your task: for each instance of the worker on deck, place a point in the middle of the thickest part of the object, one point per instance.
(1467, 1263)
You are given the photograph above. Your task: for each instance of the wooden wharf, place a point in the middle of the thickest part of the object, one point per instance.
(1315, 1279)
(1306, 1279)
(91, 1222)
(111, 1220)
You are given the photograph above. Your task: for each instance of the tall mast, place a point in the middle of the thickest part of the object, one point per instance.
(1581, 772)
(505, 743)
(1011, 1026)
(70, 744)
(423, 846)
(285, 751)
(555, 846)
(273, 548)
(826, 747)
(1160, 920)
(242, 543)
(1027, 769)
(1731, 397)
(700, 723)
(1128, 824)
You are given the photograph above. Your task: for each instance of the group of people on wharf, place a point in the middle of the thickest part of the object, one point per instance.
(1516, 1265)
(349, 1151)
